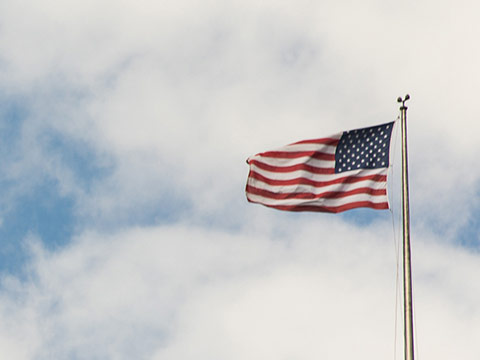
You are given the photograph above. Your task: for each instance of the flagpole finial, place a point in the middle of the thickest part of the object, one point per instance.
(400, 100)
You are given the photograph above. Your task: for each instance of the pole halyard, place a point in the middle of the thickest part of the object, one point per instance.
(407, 267)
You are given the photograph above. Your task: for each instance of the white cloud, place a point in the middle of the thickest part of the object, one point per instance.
(178, 291)
(202, 86)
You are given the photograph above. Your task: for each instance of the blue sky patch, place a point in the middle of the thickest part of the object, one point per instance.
(43, 213)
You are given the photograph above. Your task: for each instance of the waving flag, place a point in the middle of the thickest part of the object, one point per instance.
(333, 174)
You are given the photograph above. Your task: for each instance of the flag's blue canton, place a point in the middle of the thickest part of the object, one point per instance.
(366, 148)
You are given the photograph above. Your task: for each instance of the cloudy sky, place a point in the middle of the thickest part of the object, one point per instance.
(124, 228)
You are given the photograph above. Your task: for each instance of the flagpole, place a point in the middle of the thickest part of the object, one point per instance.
(407, 268)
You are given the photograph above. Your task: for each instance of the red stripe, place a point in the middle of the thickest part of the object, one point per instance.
(326, 141)
(284, 169)
(311, 196)
(304, 181)
(329, 209)
(296, 154)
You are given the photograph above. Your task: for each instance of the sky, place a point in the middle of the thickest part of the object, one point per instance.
(124, 228)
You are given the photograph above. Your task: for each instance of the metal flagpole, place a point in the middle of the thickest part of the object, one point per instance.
(407, 268)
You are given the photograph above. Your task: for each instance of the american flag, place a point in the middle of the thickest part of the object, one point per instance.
(341, 172)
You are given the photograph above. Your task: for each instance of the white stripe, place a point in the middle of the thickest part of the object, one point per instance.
(288, 189)
(318, 202)
(316, 177)
(290, 162)
(336, 136)
(324, 148)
